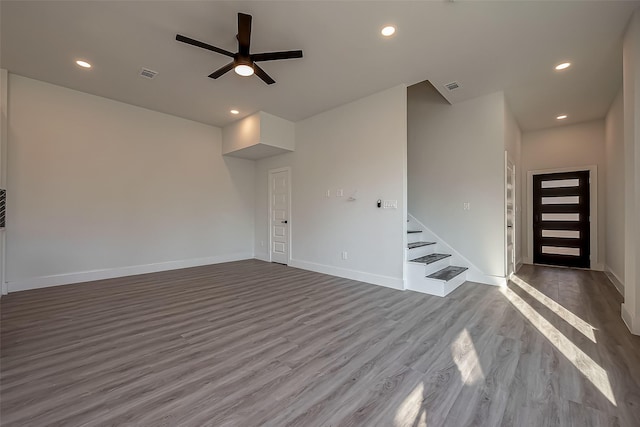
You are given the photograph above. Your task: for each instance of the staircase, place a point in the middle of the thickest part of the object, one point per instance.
(427, 270)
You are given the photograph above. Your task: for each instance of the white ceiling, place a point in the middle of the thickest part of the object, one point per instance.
(486, 46)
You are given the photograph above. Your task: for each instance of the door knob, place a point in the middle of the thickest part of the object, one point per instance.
(284, 222)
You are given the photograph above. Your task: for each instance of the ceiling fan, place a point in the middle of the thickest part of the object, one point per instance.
(244, 63)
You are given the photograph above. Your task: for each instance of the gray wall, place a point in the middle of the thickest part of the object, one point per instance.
(456, 155)
(359, 147)
(614, 184)
(99, 188)
(578, 145)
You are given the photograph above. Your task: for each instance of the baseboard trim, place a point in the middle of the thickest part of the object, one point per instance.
(361, 276)
(627, 318)
(110, 273)
(613, 278)
(485, 279)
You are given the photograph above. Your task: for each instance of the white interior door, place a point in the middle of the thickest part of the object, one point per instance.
(511, 217)
(279, 182)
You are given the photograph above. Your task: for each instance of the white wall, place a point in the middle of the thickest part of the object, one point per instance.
(578, 145)
(631, 95)
(456, 155)
(358, 147)
(613, 198)
(513, 146)
(98, 188)
(241, 134)
(258, 136)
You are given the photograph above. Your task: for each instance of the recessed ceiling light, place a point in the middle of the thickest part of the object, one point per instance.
(563, 66)
(388, 31)
(562, 117)
(234, 112)
(83, 64)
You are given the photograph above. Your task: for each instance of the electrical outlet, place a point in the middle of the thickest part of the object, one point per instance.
(466, 206)
(339, 193)
(344, 255)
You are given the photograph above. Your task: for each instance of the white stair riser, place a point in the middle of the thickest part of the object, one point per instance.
(423, 270)
(452, 284)
(434, 286)
(416, 277)
(428, 269)
(420, 252)
(414, 237)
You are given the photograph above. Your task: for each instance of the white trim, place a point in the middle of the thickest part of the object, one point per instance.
(361, 276)
(613, 278)
(4, 125)
(474, 274)
(508, 161)
(110, 273)
(519, 264)
(593, 211)
(290, 222)
(629, 320)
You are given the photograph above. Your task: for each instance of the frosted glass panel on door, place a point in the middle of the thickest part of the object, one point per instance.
(557, 183)
(552, 250)
(562, 234)
(566, 200)
(560, 217)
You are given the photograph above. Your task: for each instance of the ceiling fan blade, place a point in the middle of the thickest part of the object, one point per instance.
(221, 71)
(272, 56)
(197, 43)
(244, 33)
(264, 76)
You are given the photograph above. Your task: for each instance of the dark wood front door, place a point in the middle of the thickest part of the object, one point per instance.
(561, 232)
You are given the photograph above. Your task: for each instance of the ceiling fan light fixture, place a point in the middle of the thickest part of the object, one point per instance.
(244, 70)
(244, 63)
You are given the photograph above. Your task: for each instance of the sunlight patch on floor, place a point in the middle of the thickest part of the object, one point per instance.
(585, 364)
(583, 327)
(410, 412)
(464, 354)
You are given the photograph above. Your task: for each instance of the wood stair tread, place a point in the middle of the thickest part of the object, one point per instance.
(431, 258)
(419, 244)
(447, 273)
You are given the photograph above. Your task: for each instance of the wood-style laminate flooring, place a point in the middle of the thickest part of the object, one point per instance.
(255, 344)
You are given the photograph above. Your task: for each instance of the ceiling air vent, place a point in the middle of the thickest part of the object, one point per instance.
(148, 74)
(452, 86)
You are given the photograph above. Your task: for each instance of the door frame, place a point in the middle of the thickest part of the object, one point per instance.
(593, 210)
(514, 194)
(270, 216)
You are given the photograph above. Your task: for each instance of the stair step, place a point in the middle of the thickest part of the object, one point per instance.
(413, 231)
(419, 244)
(447, 273)
(431, 258)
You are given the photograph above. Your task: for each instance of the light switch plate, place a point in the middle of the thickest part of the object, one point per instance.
(390, 204)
